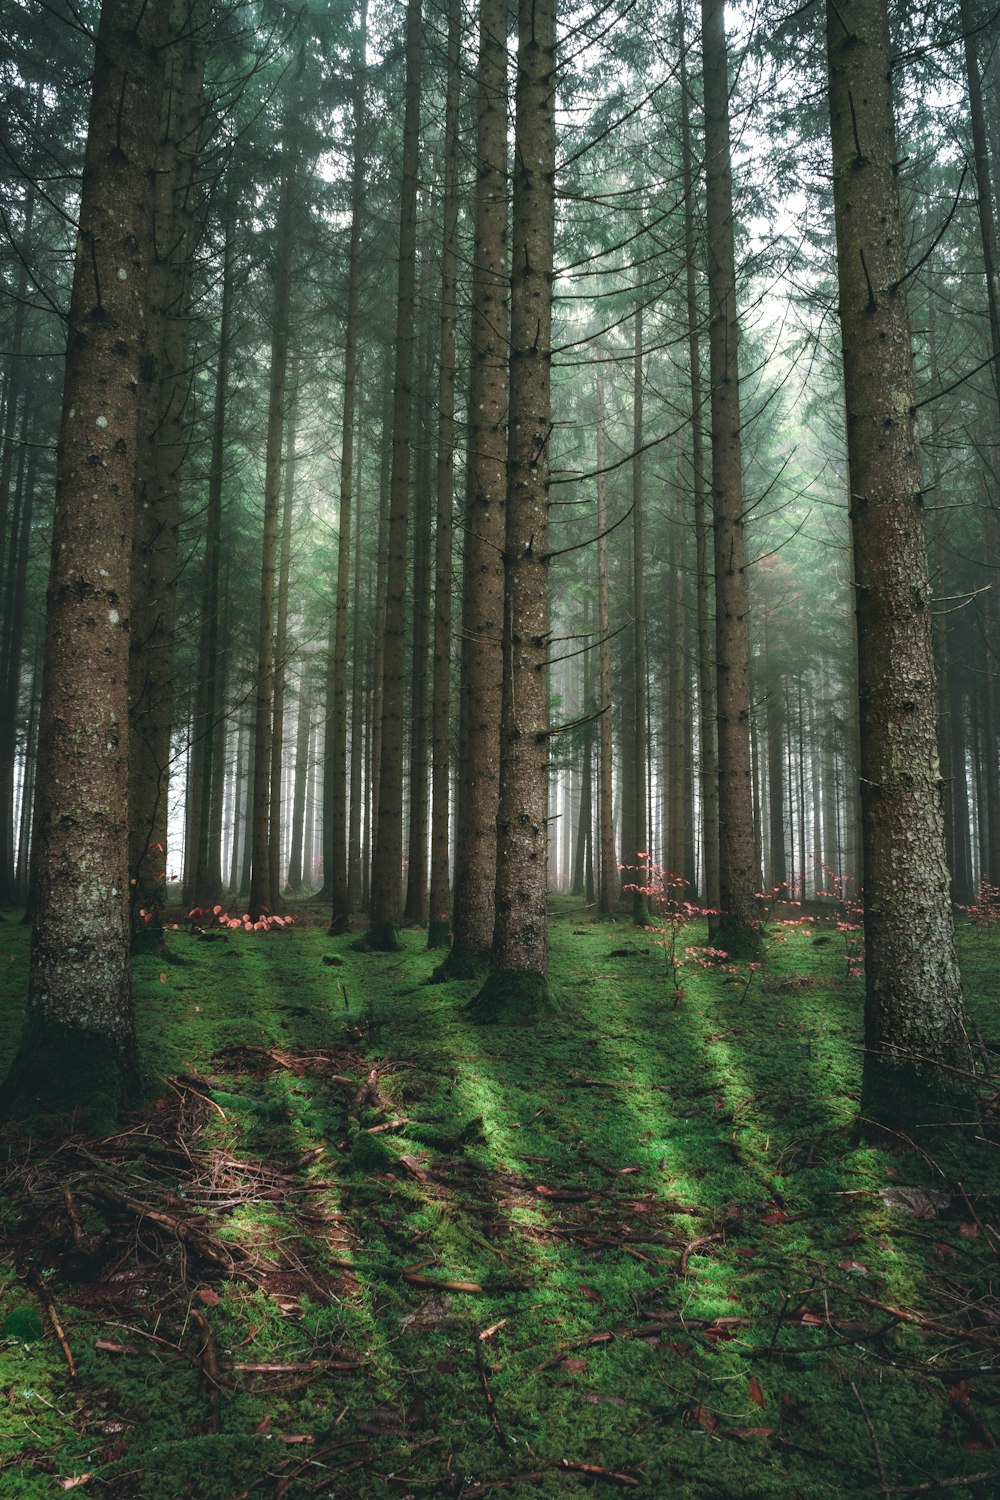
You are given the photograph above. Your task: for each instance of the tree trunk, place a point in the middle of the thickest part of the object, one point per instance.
(486, 496)
(79, 1044)
(163, 442)
(607, 887)
(387, 865)
(732, 650)
(261, 853)
(640, 855)
(204, 851)
(281, 663)
(913, 1010)
(336, 874)
(517, 983)
(439, 926)
(303, 763)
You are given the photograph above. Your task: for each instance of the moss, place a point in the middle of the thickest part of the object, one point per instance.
(462, 965)
(512, 998)
(381, 938)
(438, 932)
(901, 1095)
(61, 1071)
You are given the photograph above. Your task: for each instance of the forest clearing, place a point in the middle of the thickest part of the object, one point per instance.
(354, 1243)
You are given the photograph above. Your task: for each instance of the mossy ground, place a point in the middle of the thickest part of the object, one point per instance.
(635, 1246)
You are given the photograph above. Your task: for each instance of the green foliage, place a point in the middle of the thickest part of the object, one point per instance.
(647, 1230)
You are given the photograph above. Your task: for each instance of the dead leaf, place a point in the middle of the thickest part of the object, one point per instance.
(755, 1393)
(207, 1296)
(705, 1419)
(589, 1293)
(774, 1216)
(752, 1432)
(264, 1425)
(413, 1168)
(574, 1366)
(72, 1484)
(854, 1267)
(969, 1231)
(597, 1398)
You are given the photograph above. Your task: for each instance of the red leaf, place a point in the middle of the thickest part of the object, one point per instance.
(755, 1393)
(207, 1297)
(969, 1231)
(774, 1216)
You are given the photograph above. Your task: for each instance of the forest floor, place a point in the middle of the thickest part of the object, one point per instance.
(356, 1245)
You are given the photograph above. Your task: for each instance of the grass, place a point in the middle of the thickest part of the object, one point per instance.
(635, 1247)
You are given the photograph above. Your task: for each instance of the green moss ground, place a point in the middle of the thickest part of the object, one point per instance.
(660, 1216)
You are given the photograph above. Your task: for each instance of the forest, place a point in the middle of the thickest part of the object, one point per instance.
(499, 748)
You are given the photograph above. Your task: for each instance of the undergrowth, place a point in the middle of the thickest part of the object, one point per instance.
(355, 1244)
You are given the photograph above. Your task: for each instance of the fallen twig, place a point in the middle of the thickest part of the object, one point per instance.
(50, 1313)
(208, 1361)
(879, 1464)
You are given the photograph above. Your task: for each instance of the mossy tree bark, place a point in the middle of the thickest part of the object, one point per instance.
(79, 1046)
(387, 864)
(439, 926)
(517, 984)
(914, 1035)
(737, 872)
(486, 497)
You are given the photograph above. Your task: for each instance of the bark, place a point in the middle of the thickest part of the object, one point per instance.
(15, 594)
(281, 664)
(336, 873)
(79, 1044)
(639, 856)
(260, 818)
(732, 650)
(439, 927)
(517, 983)
(209, 728)
(607, 865)
(359, 731)
(914, 1031)
(303, 728)
(415, 904)
(486, 497)
(387, 864)
(163, 442)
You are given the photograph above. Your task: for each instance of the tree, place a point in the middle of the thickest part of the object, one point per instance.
(736, 853)
(80, 1037)
(387, 864)
(517, 981)
(914, 1035)
(486, 495)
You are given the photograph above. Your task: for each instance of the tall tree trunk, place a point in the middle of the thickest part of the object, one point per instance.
(387, 865)
(486, 496)
(439, 926)
(163, 441)
(261, 853)
(303, 764)
(281, 661)
(708, 771)
(913, 1007)
(640, 855)
(336, 876)
(359, 731)
(209, 728)
(607, 887)
(415, 903)
(79, 1044)
(518, 978)
(732, 649)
